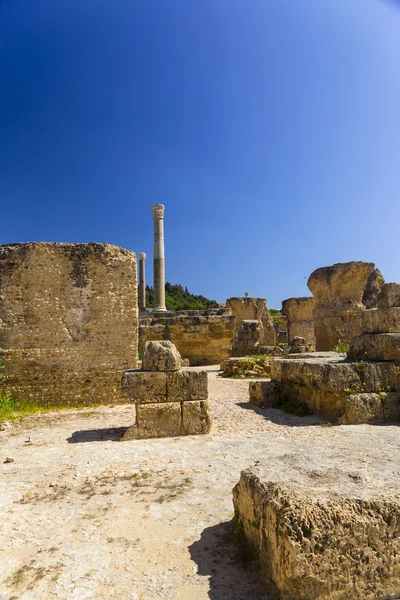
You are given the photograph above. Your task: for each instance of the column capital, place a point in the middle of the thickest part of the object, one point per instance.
(158, 211)
(142, 256)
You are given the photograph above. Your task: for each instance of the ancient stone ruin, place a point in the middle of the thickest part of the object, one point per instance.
(169, 401)
(202, 337)
(328, 540)
(300, 320)
(68, 321)
(253, 309)
(338, 292)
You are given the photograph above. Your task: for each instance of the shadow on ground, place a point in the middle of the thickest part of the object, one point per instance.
(281, 418)
(232, 571)
(113, 434)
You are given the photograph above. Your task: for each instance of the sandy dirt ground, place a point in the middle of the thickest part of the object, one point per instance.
(85, 516)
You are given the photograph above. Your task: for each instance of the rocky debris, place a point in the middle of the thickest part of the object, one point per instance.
(246, 366)
(161, 355)
(372, 289)
(5, 426)
(389, 295)
(299, 345)
(300, 320)
(171, 402)
(338, 291)
(271, 350)
(315, 544)
(9, 460)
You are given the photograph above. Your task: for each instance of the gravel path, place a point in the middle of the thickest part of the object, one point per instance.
(87, 517)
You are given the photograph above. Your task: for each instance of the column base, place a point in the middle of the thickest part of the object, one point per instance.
(159, 309)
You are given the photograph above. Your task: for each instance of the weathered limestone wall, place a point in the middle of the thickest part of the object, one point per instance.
(203, 339)
(68, 321)
(300, 322)
(372, 289)
(253, 309)
(338, 291)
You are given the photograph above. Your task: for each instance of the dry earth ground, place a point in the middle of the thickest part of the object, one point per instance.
(84, 516)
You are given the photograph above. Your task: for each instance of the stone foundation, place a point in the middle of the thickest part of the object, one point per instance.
(68, 321)
(204, 338)
(168, 401)
(319, 543)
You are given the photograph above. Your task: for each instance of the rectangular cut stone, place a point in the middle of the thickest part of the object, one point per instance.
(187, 385)
(381, 320)
(264, 393)
(145, 387)
(195, 418)
(362, 408)
(319, 545)
(158, 420)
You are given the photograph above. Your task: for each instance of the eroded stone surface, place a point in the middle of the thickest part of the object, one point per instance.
(389, 295)
(300, 320)
(253, 309)
(187, 385)
(381, 320)
(145, 387)
(161, 355)
(265, 394)
(338, 292)
(376, 346)
(316, 544)
(373, 289)
(155, 421)
(195, 418)
(247, 339)
(68, 321)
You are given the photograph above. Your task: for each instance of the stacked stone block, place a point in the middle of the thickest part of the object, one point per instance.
(169, 401)
(253, 309)
(380, 337)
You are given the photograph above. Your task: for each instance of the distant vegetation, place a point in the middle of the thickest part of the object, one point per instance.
(179, 298)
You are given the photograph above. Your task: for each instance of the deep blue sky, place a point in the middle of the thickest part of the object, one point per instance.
(270, 129)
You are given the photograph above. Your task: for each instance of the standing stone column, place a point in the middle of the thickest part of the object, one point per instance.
(142, 283)
(159, 259)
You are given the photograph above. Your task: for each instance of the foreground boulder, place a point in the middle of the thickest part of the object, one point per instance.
(315, 544)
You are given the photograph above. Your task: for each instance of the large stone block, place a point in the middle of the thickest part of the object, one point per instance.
(156, 421)
(265, 394)
(68, 321)
(317, 545)
(161, 355)
(145, 387)
(381, 320)
(195, 418)
(372, 289)
(338, 291)
(376, 347)
(389, 295)
(300, 320)
(362, 408)
(187, 385)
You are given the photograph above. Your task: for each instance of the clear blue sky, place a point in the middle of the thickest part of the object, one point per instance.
(270, 129)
